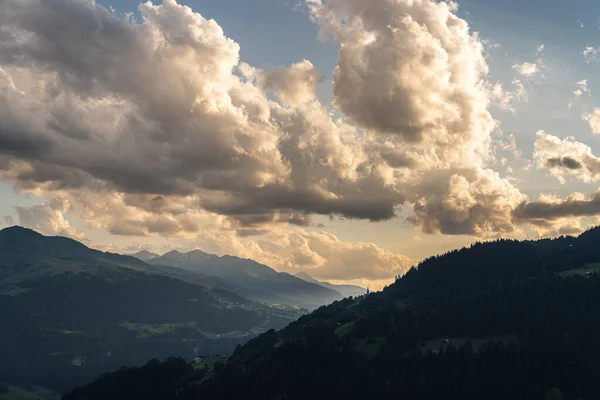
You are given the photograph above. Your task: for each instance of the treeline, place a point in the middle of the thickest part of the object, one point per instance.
(68, 329)
(555, 320)
(466, 302)
(154, 381)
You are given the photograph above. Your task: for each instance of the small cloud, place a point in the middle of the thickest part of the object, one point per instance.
(531, 69)
(526, 69)
(505, 98)
(582, 89)
(590, 54)
(540, 50)
(489, 45)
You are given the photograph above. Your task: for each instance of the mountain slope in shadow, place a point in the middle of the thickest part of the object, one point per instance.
(252, 279)
(498, 320)
(70, 313)
(344, 290)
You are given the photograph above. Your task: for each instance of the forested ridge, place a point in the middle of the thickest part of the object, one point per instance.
(70, 313)
(499, 320)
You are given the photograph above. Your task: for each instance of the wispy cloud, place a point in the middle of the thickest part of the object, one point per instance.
(590, 54)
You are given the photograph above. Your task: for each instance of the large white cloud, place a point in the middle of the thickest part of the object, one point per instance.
(412, 70)
(164, 108)
(155, 127)
(159, 108)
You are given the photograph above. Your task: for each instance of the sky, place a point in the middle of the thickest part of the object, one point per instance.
(348, 139)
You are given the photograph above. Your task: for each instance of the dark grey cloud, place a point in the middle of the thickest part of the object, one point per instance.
(574, 206)
(564, 162)
(566, 157)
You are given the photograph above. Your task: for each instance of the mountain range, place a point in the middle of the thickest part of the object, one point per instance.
(145, 255)
(254, 280)
(70, 312)
(498, 320)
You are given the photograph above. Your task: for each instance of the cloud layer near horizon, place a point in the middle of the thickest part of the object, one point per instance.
(155, 127)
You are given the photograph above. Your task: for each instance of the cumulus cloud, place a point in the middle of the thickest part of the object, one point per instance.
(297, 84)
(474, 203)
(156, 128)
(419, 70)
(48, 218)
(423, 76)
(593, 120)
(84, 107)
(159, 108)
(566, 157)
(324, 256)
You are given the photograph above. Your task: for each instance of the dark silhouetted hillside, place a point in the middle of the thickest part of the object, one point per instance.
(499, 320)
(70, 313)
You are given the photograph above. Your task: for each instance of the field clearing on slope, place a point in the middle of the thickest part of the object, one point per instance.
(587, 269)
(147, 330)
(32, 392)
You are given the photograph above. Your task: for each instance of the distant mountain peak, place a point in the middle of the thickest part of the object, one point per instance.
(172, 255)
(194, 255)
(144, 255)
(199, 254)
(196, 251)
